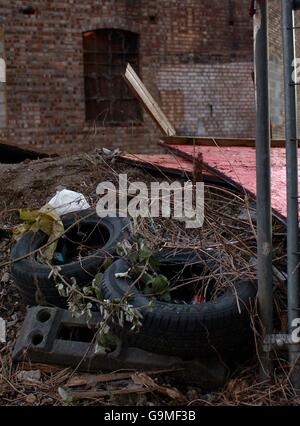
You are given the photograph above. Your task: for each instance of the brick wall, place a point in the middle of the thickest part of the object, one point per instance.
(210, 100)
(276, 77)
(195, 58)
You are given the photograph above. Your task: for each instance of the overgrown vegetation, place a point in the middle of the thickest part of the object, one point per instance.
(143, 268)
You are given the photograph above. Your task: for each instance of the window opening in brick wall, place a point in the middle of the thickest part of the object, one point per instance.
(108, 101)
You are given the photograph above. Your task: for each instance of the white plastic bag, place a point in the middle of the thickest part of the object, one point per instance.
(66, 201)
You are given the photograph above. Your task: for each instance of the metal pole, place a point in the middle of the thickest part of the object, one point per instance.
(263, 180)
(292, 180)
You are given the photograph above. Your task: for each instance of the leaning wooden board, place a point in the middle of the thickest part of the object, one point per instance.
(139, 89)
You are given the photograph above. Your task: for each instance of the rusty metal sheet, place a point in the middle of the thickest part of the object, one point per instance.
(174, 164)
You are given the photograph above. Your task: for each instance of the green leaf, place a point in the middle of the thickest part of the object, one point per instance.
(166, 297)
(97, 280)
(97, 284)
(88, 291)
(147, 278)
(107, 262)
(154, 263)
(145, 253)
(107, 341)
(160, 284)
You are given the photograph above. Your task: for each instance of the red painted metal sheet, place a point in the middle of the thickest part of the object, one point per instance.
(162, 161)
(238, 164)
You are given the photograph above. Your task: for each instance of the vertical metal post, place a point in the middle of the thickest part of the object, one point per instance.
(263, 179)
(292, 179)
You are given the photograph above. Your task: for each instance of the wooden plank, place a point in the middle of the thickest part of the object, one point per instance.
(139, 89)
(95, 379)
(211, 141)
(94, 394)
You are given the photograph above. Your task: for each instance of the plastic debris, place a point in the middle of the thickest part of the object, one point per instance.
(29, 376)
(5, 277)
(198, 299)
(66, 201)
(46, 220)
(2, 331)
(58, 258)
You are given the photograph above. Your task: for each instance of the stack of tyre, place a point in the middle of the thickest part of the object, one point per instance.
(219, 327)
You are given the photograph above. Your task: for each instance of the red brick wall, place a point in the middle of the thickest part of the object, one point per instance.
(195, 58)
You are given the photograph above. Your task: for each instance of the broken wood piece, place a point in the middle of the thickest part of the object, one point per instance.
(139, 89)
(45, 368)
(198, 168)
(142, 384)
(94, 394)
(148, 382)
(94, 379)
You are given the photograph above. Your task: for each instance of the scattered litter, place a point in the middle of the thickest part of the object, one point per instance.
(153, 227)
(59, 258)
(68, 396)
(46, 220)
(66, 201)
(138, 383)
(30, 399)
(95, 379)
(111, 155)
(149, 383)
(198, 299)
(2, 331)
(13, 321)
(29, 376)
(122, 274)
(5, 277)
(64, 394)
